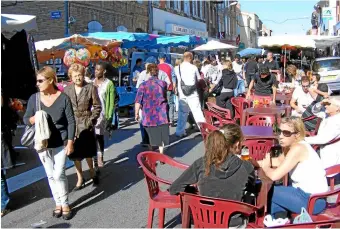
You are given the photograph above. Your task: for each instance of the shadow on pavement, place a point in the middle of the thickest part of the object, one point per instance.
(60, 225)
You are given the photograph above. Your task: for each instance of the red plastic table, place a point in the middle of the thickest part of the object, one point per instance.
(270, 110)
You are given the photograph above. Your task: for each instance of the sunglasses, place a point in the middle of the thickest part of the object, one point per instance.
(286, 133)
(41, 81)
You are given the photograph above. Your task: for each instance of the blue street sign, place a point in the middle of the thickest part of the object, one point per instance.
(55, 14)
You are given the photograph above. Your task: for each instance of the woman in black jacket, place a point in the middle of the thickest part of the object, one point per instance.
(229, 80)
(220, 173)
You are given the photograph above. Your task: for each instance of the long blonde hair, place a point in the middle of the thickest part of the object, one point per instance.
(49, 74)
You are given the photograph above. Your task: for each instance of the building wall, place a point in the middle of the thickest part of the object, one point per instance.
(48, 28)
(110, 14)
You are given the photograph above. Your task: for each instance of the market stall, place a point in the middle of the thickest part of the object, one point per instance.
(18, 63)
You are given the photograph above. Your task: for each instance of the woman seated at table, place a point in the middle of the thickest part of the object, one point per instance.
(304, 167)
(220, 173)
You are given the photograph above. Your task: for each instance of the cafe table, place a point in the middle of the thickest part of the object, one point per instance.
(269, 110)
(258, 132)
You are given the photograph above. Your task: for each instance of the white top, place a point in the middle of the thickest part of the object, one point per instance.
(238, 69)
(188, 74)
(329, 130)
(205, 69)
(143, 76)
(303, 100)
(309, 175)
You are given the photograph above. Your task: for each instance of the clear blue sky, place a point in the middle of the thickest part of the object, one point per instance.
(279, 11)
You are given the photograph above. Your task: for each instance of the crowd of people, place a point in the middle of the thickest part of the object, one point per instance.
(78, 117)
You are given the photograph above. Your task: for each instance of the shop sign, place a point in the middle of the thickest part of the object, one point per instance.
(328, 13)
(176, 29)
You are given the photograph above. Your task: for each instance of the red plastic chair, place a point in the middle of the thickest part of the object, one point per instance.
(158, 199)
(261, 120)
(258, 147)
(211, 212)
(315, 131)
(215, 119)
(332, 209)
(206, 129)
(239, 104)
(225, 113)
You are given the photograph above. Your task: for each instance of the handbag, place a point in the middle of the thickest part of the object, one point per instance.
(27, 138)
(187, 90)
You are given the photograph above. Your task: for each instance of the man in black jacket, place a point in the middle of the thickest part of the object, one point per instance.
(250, 69)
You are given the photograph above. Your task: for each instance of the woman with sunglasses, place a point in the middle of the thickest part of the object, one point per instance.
(304, 167)
(60, 144)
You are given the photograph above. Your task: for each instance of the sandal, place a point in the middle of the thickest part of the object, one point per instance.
(67, 215)
(57, 213)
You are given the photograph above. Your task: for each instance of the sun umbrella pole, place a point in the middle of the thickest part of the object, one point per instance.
(120, 76)
(284, 65)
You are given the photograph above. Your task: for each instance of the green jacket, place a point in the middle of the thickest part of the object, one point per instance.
(110, 100)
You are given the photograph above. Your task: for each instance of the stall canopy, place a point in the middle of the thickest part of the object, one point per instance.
(214, 46)
(16, 22)
(186, 40)
(281, 41)
(251, 51)
(130, 40)
(305, 41)
(56, 47)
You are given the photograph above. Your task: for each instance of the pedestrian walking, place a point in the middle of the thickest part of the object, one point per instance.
(187, 78)
(61, 124)
(87, 108)
(106, 92)
(151, 99)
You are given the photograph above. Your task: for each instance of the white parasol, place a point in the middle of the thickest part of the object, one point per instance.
(214, 46)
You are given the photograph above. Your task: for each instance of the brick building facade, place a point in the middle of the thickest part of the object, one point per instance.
(106, 14)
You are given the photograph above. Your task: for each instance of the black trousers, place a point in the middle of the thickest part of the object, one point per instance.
(249, 77)
(224, 101)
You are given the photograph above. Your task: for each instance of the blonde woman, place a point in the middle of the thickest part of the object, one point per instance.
(229, 80)
(304, 167)
(87, 107)
(62, 126)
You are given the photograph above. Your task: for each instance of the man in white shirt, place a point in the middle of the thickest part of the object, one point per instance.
(189, 75)
(144, 76)
(238, 69)
(301, 97)
(329, 130)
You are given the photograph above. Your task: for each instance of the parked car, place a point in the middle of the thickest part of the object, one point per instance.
(329, 70)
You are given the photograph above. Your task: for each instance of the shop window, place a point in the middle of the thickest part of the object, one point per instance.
(94, 26)
(140, 1)
(187, 7)
(156, 2)
(176, 5)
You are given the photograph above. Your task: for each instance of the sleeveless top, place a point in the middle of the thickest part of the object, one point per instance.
(309, 175)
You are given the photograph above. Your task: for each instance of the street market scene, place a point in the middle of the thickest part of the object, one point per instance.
(170, 114)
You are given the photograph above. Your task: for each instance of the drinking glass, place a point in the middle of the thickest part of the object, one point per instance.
(282, 102)
(245, 154)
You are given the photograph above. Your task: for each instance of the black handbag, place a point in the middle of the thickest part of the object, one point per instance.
(27, 138)
(187, 90)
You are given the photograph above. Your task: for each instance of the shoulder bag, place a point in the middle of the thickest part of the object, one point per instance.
(187, 90)
(27, 138)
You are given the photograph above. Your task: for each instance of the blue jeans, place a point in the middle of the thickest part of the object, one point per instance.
(4, 192)
(240, 88)
(171, 105)
(292, 200)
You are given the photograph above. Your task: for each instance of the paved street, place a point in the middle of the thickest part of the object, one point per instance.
(121, 200)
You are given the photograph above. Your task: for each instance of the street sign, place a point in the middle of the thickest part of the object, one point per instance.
(55, 14)
(327, 13)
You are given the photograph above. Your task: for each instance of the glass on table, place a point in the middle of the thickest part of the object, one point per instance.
(245, 154)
